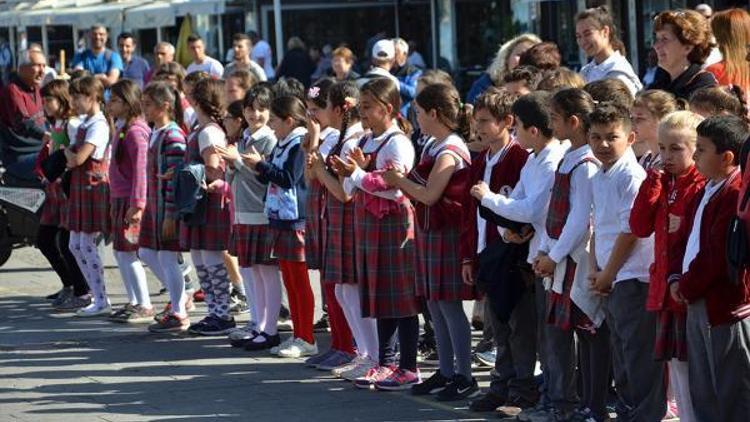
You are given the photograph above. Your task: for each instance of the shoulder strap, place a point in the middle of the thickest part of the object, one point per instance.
(584, 161)
(456, 150)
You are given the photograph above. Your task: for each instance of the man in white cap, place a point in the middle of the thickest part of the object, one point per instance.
(383, 58)
(704, 10)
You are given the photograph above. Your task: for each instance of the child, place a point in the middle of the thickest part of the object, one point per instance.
(188, 86)
(52, 238)
(612, 90)
(285, 198)
(619, 265)
(127, 180)
(660, 209)
(500, 168)
(527, 203)
(237, 84)
(648, 108)
(88, 201)
(385, 234)
(207, 242)
(563, 259)
(522, 80)
(438, 184)
(250, 231)
(174, 74)
(713, 101)
(717, 307)
(159, 245)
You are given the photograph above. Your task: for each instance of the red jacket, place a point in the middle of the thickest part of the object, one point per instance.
(650, 214)
(506, 173)
(707, 276)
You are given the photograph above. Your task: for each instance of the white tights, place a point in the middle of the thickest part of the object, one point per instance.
(364, 330)
(263, 286)
(134, 278)
(166, 266)
(83, 247)
(679, 384)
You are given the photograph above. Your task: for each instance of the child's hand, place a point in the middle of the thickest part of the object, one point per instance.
(467, 273)
(360, 158)
(168, 175)
(47, 138)
(229, 153)
(133, 215)
(393, 176)
(544, 266)
(314, 161)
(215, 186)
(674, 290)
(601, 283)
(480, 190)
(169, 229)
(252, 158)
(674, 223)
(312, 138)
(344, 168)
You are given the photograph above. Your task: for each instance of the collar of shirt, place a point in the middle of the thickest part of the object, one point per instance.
(627, 157)
(554, 146)
(574, 156)
(353, 130)
(607, 64)
(260, 133)
(298, 131)
(325, 133)
(383, 136)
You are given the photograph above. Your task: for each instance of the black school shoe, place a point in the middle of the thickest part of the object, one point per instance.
(268, 342)
(458, 389)
(432, 385)
(487, 403)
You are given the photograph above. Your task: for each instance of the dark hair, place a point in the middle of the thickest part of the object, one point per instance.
(318, 92)
(534, 110)
(160, 93)
(528, 74)
(446, 102)
(544, 56)
(171, 69)
(234, 110)
(241, 37)
(435, 76)
(78, 74)
(562, 77)
(130, 94)
(337, 97)
(247, 79)
(193, 38)
(573, 102)
(289, 87)
(58, 89)
(497, 101)
(260, 95)
(286, 107)
(727, 133)
(718, 100)
(601, 18)
(610, 89)
(690, 28)
(124, 36)
(609, 112)
(208, 95)
(385, 91)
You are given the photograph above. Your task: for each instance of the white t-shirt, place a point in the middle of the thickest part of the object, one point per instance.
(210, 136)
(436, 150)
(97, 134)
(615, 66)
(693, 246)
(329, 138)
(210, 65)
(262, 50)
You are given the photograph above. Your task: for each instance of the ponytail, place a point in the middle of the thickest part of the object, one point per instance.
(403, 124)
(450, 111)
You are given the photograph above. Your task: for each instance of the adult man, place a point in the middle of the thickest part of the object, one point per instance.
(407, 75)
(163, 54)
(22, 116)
(136, 67)
(383, 56)
(262, 54)
(103, 63)
(242, 61)
(202, 62)
(50, 74)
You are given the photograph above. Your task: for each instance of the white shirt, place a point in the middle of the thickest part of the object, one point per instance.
(491, 162)
(694, 240)
(210, 65)
(378, 72)
(399, 153)
(210, 136)
(97, 134)
(435, 150)
(576, 228)
(615, 66)
(529, 201)
(262, 50)
(351, 140)
(614, 191)
(329, 138)
(251, 67)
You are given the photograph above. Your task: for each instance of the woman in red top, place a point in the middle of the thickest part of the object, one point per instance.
(732, 31)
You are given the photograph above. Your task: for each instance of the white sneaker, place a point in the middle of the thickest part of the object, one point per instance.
(284, 344)
(94, 310)
(360, 370)
(244, 333)
(298, 349)
(337, 371)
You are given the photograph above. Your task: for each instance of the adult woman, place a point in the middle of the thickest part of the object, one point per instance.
(732, 31)
(341, 65)
(682, 44)
(296, 62)
(506, 60)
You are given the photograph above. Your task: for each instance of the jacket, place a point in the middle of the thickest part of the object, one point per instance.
(190, 197)
(22, 118)
(248, 192)
(127, 176)
(287, 192)
(689, 81)
(408, 76)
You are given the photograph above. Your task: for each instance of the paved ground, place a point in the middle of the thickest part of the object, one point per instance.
(57, 368)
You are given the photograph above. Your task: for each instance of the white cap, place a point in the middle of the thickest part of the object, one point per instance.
(384, 49)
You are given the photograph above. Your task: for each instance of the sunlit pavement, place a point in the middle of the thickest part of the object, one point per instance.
(54, 367)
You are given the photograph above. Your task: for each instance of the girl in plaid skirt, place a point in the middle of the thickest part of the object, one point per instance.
(208, 241)
(385, 235)
(439, 185)
(88, 201)
(127, 176)
(283, 170)
(159, 245)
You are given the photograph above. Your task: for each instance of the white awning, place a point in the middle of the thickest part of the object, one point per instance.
(152, 15)
(107, 14)
(198, 7)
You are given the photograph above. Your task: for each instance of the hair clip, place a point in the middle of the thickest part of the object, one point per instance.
(313, 92)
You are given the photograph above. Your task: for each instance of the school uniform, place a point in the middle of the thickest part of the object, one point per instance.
(314, 205)
(638, 377)
(718, 327)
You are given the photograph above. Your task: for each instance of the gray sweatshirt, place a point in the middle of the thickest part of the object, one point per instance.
(249, 193)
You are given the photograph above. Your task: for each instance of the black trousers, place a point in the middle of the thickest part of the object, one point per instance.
(52, 241)
(405, 332)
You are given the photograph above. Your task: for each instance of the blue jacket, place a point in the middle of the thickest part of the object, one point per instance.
(408, 77)
(478, 87)
(190, 197)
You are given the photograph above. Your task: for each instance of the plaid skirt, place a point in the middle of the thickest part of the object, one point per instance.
(439, 265)
(120, 229)
(561, 311)
(54, 210)
(385, 261)
(215, 234)
(250, 245)
(340, 265)
(151, 236)
(287, 245)
(88, 205)
(671, 335)
(314, 226)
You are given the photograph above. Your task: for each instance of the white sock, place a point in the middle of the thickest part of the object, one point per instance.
(248, 287)
(679, 381)
(175, 282)
(350, 318)
(87, 254)
(269, 276)
(150, 257)
(133, 274)
(258, 308)
(366, 326)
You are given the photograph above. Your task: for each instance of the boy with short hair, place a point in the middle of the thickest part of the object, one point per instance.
(718, 327)
(619, 265)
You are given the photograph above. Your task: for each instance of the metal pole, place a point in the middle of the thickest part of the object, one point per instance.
(434, 34)
(13, 46)
(220, 30)
(395, 13)
(279, 30)
(45, 40)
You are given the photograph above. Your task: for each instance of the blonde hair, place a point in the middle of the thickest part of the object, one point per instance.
(682, 120)
(499, 66)
(659, 103)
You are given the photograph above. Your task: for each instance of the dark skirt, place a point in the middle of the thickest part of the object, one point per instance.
(215, 234)
(340, 265)
(671, 336)
(250, 245)
(151, 234)
(88, 202)
(120, 230)
(287, 245)
(314, 226)
(54, 209)
(439, 266)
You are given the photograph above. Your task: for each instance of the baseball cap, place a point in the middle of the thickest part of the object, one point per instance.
(384, 49)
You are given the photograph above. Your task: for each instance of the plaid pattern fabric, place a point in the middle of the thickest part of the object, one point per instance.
(119, 228)
(671, 336)
(287, 245)
(559, 306)
(385, 261)
(88, 202)
(250, 245)
(338, 254)
(559, 203)
(55, 206)
(439, 265)
(314, 225)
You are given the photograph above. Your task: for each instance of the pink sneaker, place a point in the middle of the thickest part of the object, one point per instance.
(400, 379)
(372, 376)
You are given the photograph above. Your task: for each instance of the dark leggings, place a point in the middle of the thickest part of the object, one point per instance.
(52, 241)
(408, 335)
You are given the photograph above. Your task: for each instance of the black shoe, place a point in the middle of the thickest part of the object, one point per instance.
(322, 325)
(269, 342)
(162, 291)
(284, 314)
(54, 296)
(458, 389)
(487, 403)
(432, 385)
(477, 324)
(428, 355)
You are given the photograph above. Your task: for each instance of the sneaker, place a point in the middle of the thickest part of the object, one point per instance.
(400, 379)
(432, 385)
(121, 314)
(373, 375)
(299, 348)
(240, 336)
(237, 302)
(322, 325)
(477, 324)
(486, 358)
(55, 295)
(74, 303)
(459, 388)
(212, 326)
(334, 361)
(139, 315)
(169, 324)
(487, 403)
(358, 360)
(428, 356)
(62, 296)
(94, 310)
(164, 312)
(358, 368)
(284, 314)
(199, 296)
(263, 341)
(484, 345)
(314, 361)
(283, 345)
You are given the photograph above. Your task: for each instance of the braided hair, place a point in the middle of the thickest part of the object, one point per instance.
(208, 95)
